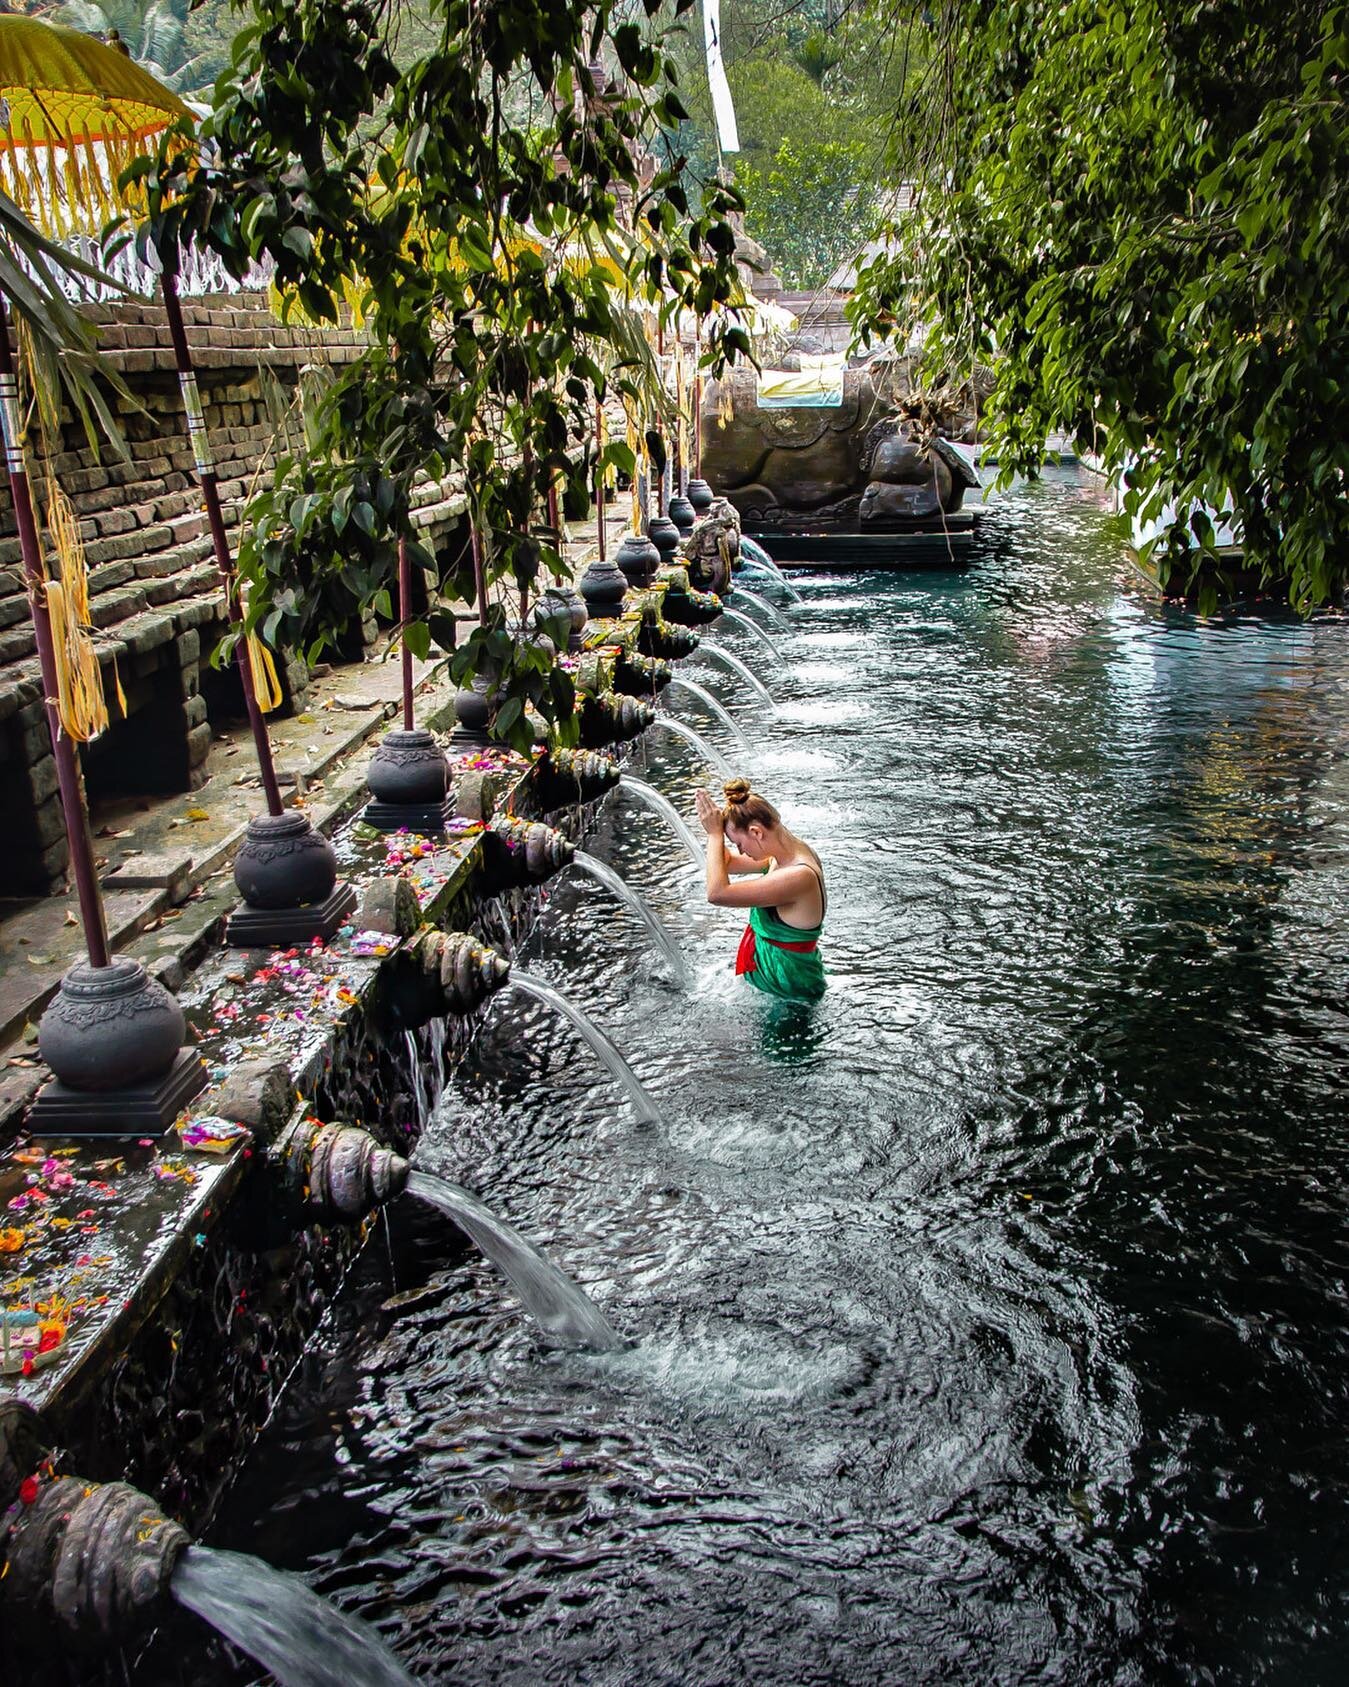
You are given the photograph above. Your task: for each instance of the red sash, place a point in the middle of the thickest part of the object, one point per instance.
(746, 956)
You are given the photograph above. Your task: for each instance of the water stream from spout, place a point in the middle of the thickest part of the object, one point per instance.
(656, 929)
(713, 705)
(282, 1623)
(754, 627)
(730, 660)
(609, 1057)
(661, 804)
(755, 556)
(709, 752)
(550, 1297)
(760, 602)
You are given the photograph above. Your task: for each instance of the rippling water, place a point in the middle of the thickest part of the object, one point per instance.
(989, 1319)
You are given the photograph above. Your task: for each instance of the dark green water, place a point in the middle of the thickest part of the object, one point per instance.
(990, 1319)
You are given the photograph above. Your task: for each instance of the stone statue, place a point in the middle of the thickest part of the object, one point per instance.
(712, 545)
(913, 483)
(814, 470)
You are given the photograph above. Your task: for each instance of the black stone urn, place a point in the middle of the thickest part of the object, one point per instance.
(700, 495)
(111, 1027)
(409, 780)
(408, 767)
(287, 875)
(602, 586)
(638, 558)
(682, 514)
(559, 599)
(284, 863)
(473, 704)
(664, 535)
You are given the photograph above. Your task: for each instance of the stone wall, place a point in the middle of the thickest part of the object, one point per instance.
(155, 591)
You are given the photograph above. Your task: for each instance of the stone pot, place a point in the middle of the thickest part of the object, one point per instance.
(602, 586)
(664, 535)
(284, 863)
(700, 495)
(108, 1028)
(566, 598)
(408, 767)
(682, 514)
(638, 558)
(473, 705)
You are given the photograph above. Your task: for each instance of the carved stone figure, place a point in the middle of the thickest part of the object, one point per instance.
(712, 545)
(876, 461)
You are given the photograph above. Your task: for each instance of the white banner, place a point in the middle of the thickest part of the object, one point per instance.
(722, 105)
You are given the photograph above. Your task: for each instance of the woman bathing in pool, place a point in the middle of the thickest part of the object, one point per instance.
(779, 952)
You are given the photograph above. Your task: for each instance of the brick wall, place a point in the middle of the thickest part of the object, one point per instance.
(155, 592)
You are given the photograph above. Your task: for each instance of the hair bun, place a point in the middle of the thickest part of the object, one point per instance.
(737, 791)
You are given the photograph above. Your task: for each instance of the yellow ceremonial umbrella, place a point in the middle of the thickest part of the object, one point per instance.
(73, 113)
(70, 111)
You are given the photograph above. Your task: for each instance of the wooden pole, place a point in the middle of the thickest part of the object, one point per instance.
(67, 767)
(405, 615)
(210, 492)
(479, 575)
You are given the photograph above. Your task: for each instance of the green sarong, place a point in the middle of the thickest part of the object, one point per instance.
(779, 959)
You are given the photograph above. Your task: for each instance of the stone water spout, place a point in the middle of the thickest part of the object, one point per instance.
(660, 638)
(522, 852)
(89, 1567)
(611, 719)
(564, 777)
(636, 675)
(336, 1173)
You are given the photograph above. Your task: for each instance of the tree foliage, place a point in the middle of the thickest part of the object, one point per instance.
(469, 201)
(815, 88)
(1139, 215)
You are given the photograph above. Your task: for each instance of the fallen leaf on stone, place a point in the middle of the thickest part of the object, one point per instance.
(70, 918)
(197, 814)
(40, 960)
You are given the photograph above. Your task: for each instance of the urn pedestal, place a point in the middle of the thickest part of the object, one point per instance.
(287, 875)
(409, 782)
(113, 1037)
